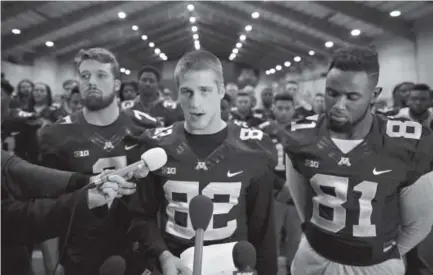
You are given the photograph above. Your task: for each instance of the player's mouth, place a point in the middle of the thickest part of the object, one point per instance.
(197, 115)
(338, 118)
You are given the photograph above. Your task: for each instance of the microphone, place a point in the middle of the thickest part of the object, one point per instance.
(152, 160)
(113, 265)
(244, 258)
(200, 212)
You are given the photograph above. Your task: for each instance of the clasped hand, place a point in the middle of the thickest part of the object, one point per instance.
(114, 187)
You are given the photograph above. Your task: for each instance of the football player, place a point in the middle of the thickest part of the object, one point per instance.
(267, 97)
(149, 100)
(288, 225)
(90, 141)
(243, 113)
(230, 164)
(418, 102)
(361, 183)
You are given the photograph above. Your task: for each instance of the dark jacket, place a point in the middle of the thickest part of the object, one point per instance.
(35, 206)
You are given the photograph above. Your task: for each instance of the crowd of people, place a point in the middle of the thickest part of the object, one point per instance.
(300, 193)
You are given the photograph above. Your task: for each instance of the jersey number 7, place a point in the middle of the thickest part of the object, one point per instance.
(337, 221)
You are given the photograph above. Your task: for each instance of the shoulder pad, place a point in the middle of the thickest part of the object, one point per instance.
(126, 104)
(53, 108)
(233, 109)
(309, 122)
(65, 120)
(258, 115)
(169, 104)
(57, 105)
(240, 123)
(264, 125)
(142, 118)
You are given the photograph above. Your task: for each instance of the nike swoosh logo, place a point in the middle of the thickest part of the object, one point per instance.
(376, 173)
(127, 148)
(230, 175)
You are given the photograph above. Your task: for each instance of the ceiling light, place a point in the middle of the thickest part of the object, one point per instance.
(232, 56)
(311, 53)
(192, 19)
(287, 63)
(329, 44)
(16, 31)
(278, 67)
(395, 13)
(49, 43)
(122, 70)
(127, 72)
(194, 28)
(242, 37)
(197, 46)
(195, 36)
(144, 37)
(267, 72)
(297, 58)
(235, 51)
(190, 7)
(157, 51)
(238, 45)
(151, 44)
(272, 71)
(355, 32)
(135, 28)
(197, 42)
(248, 28)
(255, 15)
(164, 58)
(161, 55)
(121, 15)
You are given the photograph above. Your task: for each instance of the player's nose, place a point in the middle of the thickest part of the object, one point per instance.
(341, 102)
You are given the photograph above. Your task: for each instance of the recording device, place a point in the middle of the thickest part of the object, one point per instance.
(113, 265)
(244, 258)
(152, 160)
(200, 212)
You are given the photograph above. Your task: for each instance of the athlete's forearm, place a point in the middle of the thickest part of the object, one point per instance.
(416, 202)
(296, 186)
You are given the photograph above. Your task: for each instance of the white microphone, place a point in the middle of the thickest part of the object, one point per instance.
(151, 160)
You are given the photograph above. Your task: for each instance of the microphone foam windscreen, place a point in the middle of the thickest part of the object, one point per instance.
(113, 265)
(244, 255)
(200, 212)
(155, 158)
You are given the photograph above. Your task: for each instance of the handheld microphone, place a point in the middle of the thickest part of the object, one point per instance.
(152, 160)
(114, 265)
(244, 258)
(200, 212)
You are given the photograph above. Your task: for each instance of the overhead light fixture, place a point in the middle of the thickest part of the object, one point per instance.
(232, 56)
(127, 72)
(157, 51)
(267, 72)
(287, 63)
(135, 28)
(197, 46)
(122, 70)
(16, 31)
(272, 71)
(195, 36)
(151, 44)
(197, 42)
(190, 7)
(192, 19)
(194, 28)
(144, 37)
(255, 15)
(297, 58)
(248, 28)
(49, 43)
(121, 15)
(235, 51)
(329, 44)
(395, 13)
(242, 37)
(355, 32)
(278, 67)
(311, 53)
(238, 45)
(164, 58)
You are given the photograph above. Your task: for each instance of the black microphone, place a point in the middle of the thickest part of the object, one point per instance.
(200, 212)
(113, 265)
(244, 258)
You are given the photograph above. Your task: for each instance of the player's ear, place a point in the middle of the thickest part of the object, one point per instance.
(221, 91)
(117, 84)
(376, 93)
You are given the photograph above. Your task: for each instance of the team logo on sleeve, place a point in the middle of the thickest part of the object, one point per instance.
(201, 165)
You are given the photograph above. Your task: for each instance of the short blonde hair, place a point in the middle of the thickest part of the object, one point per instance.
(198, 61)
(101, 55)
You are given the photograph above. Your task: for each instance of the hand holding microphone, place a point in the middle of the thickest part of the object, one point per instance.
(244, 258)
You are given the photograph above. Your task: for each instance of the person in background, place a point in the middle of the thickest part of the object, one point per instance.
(232, 89)
(287, 221)
(267, 97)
(167, 94)
(418, 102)
(251, 91)
(128, 92)
(242, 113)
(20, 99)
(318, 104)
(41, 103)
(226, 102)
(72, 104)
(400, 95)
(68, 85)
(149, 100)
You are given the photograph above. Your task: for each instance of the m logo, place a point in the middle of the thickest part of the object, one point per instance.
(81, 154)
(108, 145)
(344, 161)
(201, 165)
